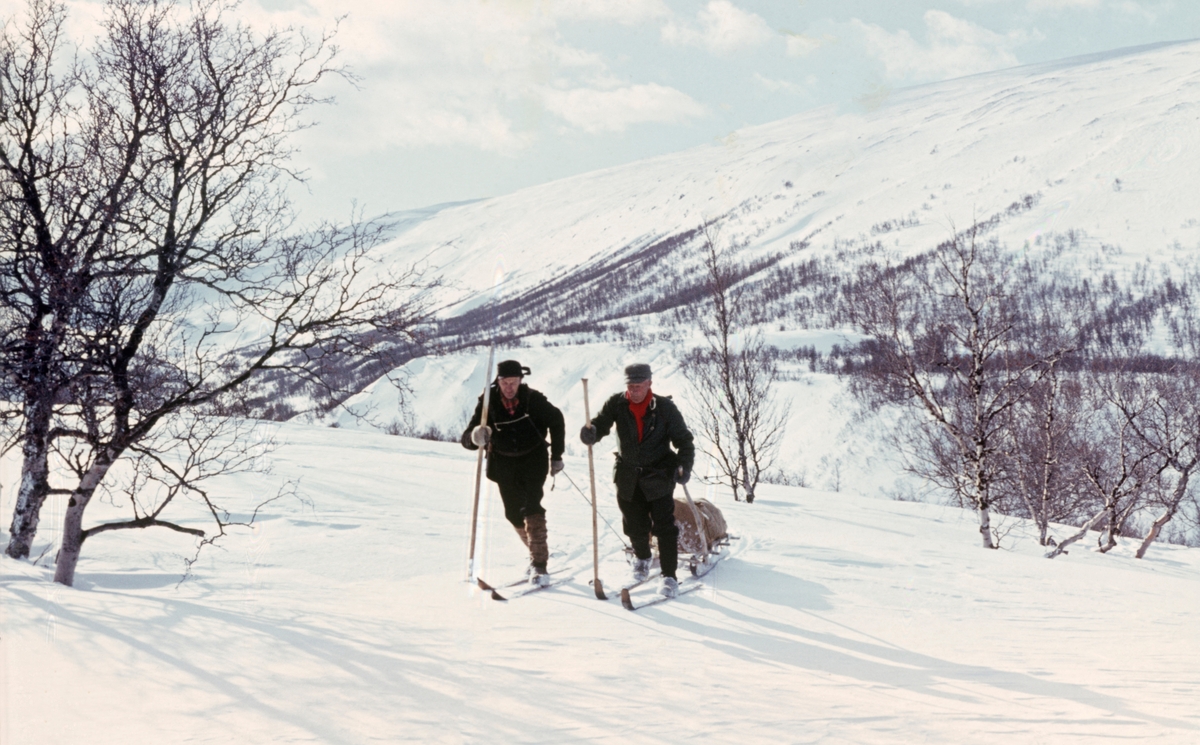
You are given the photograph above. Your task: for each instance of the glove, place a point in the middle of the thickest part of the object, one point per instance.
(682, 475)
(481, 435)
(587, 435)
(555, 467)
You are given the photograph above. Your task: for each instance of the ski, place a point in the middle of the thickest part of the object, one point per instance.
(520, 592)
(698, 566)
(627, 601)
(653, 576)
(554, 576)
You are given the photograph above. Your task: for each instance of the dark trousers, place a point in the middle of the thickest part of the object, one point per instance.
(640, 517)
(521, 480)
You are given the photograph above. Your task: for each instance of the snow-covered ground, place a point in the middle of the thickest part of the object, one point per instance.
(839, 618)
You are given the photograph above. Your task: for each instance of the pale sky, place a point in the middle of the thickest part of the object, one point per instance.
(464, 99)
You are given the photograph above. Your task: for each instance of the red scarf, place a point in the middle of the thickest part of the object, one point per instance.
(639, 410)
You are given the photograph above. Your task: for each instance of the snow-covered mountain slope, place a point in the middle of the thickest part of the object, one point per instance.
(1105, 146)
(838, 619)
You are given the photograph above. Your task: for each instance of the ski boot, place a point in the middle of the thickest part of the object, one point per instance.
(669, 588)
(641, 570)
(538, 576)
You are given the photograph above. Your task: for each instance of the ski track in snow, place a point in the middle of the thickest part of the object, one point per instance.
(838, 618)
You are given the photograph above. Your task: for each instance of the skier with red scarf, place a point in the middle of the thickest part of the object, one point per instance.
(655, 452)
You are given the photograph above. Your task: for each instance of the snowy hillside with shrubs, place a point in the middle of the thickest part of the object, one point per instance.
(1080, 191)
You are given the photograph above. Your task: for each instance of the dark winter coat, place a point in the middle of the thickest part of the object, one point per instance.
(650, 463)
(519, 434)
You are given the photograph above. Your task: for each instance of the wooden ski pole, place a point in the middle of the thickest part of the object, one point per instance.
(487, 390)
(596, 584)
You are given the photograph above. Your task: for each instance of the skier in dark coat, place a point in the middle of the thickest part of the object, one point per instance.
(518, 457)
(647, 468)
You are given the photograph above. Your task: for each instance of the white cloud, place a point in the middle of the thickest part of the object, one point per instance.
(954, 47)
(1036, 5)
(487, 74)
(1059, 4)
(783, 86)
(626, 12)
(1131, 8)
(481, 73)
(722, 27)
(802, 45)
(613, 110)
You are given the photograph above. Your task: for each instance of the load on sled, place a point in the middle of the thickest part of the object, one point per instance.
(703, 534)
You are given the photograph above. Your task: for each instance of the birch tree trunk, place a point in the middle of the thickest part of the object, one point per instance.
(980, 491)
(745, 468)
(72, 535)
(985, 527)
(1168, 513)
(1061, 548)
(35, 480)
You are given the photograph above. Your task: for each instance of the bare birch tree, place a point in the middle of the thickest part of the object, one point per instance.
(71, 156)
(199, 284)
(156, 371)
(1163, 412)
(1042, 440)
(1119, 472)
(732, 379)
(944, 332)
(1044, 429)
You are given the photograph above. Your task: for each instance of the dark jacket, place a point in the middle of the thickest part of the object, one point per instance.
(518, 434)
(650, 463)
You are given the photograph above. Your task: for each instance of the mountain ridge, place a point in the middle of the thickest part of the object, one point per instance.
(1110, 159)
